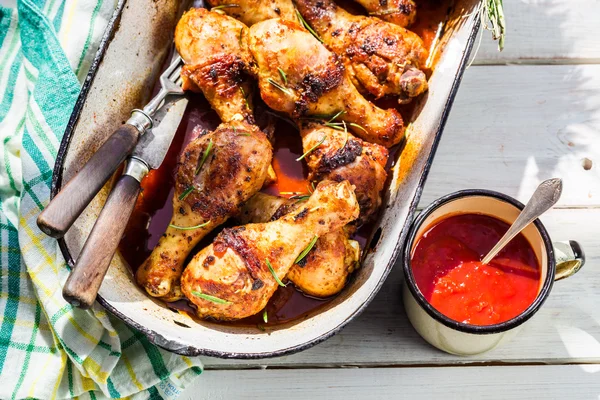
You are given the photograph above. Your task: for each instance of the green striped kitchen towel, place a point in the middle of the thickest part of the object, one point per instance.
(47, 348)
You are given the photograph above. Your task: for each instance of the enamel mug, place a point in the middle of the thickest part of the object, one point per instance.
(557, 260)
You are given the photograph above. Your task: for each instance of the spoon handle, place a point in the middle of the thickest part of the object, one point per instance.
(544, 197)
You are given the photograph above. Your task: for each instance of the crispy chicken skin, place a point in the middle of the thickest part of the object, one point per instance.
(297, 75)
(235, 267)
(217, 60)
(325, 269)
(252, 11)
(341, 156)
(399, 12)
(234, 170)
(381, 58)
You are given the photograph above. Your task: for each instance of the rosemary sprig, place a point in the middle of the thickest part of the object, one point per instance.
(210, 298)
(300, 197)
(222, 6)
(283, 75)
(336, 116)
(244, 134)
(278, 86)
(357, 126)
(311, 149)
(346, 134)
(307, 26)
(306, 250)
(273, 273)
(186, 192)
(265, 316)
(493, 20)
(245, 98)
(205, 155)
(188, 228)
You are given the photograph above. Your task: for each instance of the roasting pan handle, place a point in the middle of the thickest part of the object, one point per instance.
(85, 279)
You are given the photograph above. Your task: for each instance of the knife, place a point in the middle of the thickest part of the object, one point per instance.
(70, 202)
(85, 279)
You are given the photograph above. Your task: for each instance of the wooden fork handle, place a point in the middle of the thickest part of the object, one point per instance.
(70, 202)
(86, 277)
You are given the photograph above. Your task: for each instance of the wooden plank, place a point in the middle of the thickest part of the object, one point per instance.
(513, 126)
(539, 382)
(565, 330)
(546, 31)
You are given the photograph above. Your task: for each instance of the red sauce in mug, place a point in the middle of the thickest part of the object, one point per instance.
(447, 269)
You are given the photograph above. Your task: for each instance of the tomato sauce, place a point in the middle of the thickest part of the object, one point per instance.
(447, 269)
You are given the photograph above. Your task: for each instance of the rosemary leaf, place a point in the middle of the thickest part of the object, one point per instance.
(278, 86)
(224, 6)
(245, 98)
(346, 133)
(493, 12)
(189, 228)
(265, 316)
(210, 298)
(337, 115)
(357, 126)
(283, 75)
(205, 155)
(311, 149)
(307, 26)
(334, 125)
(273, 273)
(306, 250)
(244, 134)
(186, 192)
(300, 197)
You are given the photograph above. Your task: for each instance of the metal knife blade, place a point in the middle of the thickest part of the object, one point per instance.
(153, 146)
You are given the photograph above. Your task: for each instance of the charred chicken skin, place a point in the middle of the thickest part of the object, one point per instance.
(324, 271)
(235, 276)
(216, 174)
(217, 60)
(381, 58)
(399, 12)
(297, 75)
(251, 12)
(338, 155)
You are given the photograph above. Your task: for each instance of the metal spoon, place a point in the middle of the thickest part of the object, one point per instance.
(544, 197)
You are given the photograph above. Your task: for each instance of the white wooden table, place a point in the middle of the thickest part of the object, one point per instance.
(521, 116)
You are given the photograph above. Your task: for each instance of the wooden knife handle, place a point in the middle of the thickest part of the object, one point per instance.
(70, 202)
(86, 277)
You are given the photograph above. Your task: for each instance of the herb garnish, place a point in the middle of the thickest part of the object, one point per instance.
(265, 316)
(244, 95)
(278, 86)
(189, 228)
(306, 250)
(210, 298)
(307, 26)
(205, 155)
(186, 192)
(273, 273)
(492, 17)
(311, 149)
(283, 75)
(224, 6)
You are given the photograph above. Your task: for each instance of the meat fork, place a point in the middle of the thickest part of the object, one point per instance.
(74, 197)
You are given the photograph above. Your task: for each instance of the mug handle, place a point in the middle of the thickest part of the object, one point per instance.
(569, 258)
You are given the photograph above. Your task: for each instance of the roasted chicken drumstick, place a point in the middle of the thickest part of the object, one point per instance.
(324, 271)
(217, 60)
(235, 276)
(216, 174)
(399, 12)
(297, 75)
(252, 11)
(381, 58)
(337, 155)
